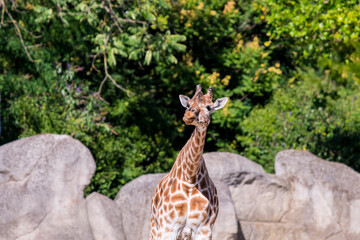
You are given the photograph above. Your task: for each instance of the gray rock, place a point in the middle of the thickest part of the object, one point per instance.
(226, 225)
(308, 198)
(254, 192)
(42, 181)
(263, 198)
(134, 199)
(65, 221)
(104, 217)
(230, 167)
(325, 195)
(308, 169)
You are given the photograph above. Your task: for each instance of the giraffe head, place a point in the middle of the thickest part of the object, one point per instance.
(200, 107)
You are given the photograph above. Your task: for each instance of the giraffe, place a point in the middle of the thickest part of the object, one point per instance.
(185, 203)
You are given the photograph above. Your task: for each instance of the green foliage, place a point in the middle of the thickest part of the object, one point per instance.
(315, 110)
(230, 56)
(109, 74)
(315, 114)
(309, 29)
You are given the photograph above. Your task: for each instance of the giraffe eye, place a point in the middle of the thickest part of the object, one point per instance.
(208, 107)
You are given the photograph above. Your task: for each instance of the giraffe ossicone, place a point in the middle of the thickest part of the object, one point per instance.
(185, 203)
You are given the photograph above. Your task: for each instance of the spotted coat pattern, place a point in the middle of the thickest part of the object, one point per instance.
(185, 203)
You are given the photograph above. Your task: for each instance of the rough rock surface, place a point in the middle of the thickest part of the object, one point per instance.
(226, 225)
(104, 217)
(134, 199)
(308, 198)
(230, 167)
(254, 192)
(325, 196)
(42, 181)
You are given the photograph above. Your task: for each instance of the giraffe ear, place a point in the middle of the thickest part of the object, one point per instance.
(220, 103)
(184, 100)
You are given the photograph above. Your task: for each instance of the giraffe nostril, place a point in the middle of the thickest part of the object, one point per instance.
(189, 115)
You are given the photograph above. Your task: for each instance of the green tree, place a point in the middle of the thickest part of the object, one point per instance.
(109, 74)
(316, 114)
(307, 30)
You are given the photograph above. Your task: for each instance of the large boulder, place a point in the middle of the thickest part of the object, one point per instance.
(226, 225)
(104, 217)
(42, 181)
(260, 199)
(230, 167)
(254, 192)
(325, 201)
(134, 199)
(307, 198)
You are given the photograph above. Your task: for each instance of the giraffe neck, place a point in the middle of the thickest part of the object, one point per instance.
(190, 157)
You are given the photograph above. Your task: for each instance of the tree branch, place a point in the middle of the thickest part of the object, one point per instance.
(18, 32)
(116, 19)
(132, 21)
(14, 7)
(244, 97)
(29, 32)
(107, 75)
(93, 62)
(2, 4)
(60, 12)
(112, 15)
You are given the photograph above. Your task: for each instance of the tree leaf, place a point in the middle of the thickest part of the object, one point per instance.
(111, 58)
(172, 59)
(148, 57)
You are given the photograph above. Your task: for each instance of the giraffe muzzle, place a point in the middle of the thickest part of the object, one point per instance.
(189, 117)
(188, 120)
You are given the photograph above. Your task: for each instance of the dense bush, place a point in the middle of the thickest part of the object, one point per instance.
(312, 29)
(109, 74)
(315, 114)
(318, 109)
